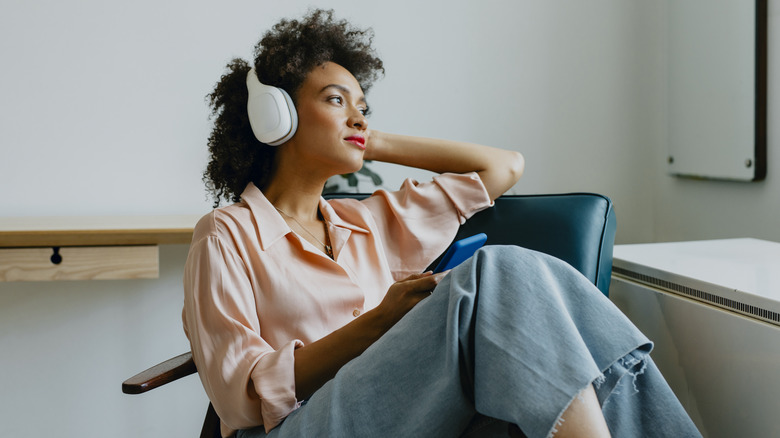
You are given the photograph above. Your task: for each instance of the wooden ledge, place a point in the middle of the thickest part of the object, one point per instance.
(27, 232)
(87, 247)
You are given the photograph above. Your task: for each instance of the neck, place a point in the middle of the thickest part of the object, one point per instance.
(297, 182)
(297, 200)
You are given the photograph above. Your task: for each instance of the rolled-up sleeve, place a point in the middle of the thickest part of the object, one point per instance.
(247, 380)
(466, 193)
(418, 222)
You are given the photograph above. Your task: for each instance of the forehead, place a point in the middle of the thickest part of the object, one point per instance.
(329, 74)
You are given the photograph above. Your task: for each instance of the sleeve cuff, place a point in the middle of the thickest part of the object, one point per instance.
(274, 381)
(466, 192)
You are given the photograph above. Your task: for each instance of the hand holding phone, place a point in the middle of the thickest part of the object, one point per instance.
(459, 251)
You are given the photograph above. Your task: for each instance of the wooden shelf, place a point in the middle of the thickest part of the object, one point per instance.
(87, 248)
(30, 232)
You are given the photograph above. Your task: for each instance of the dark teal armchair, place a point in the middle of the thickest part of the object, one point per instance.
(578, 228)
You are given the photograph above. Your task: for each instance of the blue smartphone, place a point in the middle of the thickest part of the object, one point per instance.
(459, 251)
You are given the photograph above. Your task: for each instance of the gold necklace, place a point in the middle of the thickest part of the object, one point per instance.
(328, 249)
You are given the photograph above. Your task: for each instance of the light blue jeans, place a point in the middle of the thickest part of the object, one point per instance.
(510, 336)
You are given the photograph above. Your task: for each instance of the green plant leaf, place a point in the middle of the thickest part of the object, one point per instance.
(375, 178)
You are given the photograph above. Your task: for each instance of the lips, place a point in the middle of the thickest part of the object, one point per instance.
(357, 140)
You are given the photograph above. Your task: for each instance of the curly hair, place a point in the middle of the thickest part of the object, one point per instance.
(283, 58)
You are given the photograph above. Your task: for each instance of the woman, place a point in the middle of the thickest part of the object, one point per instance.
(312, 318)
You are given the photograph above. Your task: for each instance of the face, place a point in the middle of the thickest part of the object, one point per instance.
(332, 127)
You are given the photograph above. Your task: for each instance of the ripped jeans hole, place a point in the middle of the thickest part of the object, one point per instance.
(630, 363)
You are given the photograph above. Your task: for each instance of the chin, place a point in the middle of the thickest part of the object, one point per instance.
(347, 168)
(358, 166)
(353, 165)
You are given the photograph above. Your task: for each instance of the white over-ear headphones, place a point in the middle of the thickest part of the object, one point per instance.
(271, 111)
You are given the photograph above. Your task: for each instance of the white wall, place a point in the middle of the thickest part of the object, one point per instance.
(102, 112)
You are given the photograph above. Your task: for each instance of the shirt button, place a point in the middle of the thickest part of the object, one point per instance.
(356, 313)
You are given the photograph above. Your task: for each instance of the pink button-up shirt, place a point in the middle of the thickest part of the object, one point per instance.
(254, 290)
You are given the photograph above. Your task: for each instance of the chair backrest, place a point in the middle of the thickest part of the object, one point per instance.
(578, 228)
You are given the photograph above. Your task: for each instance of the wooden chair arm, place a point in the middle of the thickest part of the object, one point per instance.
(160, 374)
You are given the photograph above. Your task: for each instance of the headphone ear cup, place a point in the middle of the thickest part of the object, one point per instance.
(293, 116)
(271, 112)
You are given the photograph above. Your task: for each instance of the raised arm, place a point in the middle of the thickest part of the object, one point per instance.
(499, 169)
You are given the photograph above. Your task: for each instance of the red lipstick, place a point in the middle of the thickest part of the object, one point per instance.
(357, 140)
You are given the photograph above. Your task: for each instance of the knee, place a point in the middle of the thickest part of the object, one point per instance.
(504, 254)
(512, 260)
(502, 250)
(505, 260)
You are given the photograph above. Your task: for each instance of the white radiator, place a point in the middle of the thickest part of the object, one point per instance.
(712, 308)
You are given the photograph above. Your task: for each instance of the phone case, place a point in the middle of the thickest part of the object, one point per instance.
(461, 250)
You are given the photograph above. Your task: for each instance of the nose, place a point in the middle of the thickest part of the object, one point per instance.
(358, 120)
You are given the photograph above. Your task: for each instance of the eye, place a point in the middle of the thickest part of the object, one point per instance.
(365, 111)
(336, 99)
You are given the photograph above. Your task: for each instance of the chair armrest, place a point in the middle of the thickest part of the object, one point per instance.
(160, 374)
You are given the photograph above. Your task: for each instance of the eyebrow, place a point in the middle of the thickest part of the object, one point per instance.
(344, 90)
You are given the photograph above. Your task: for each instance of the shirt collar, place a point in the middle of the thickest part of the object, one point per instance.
(271, 226)
(330, 215)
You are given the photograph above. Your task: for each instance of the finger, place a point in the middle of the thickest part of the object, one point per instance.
(418, 276)
(425, 284)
